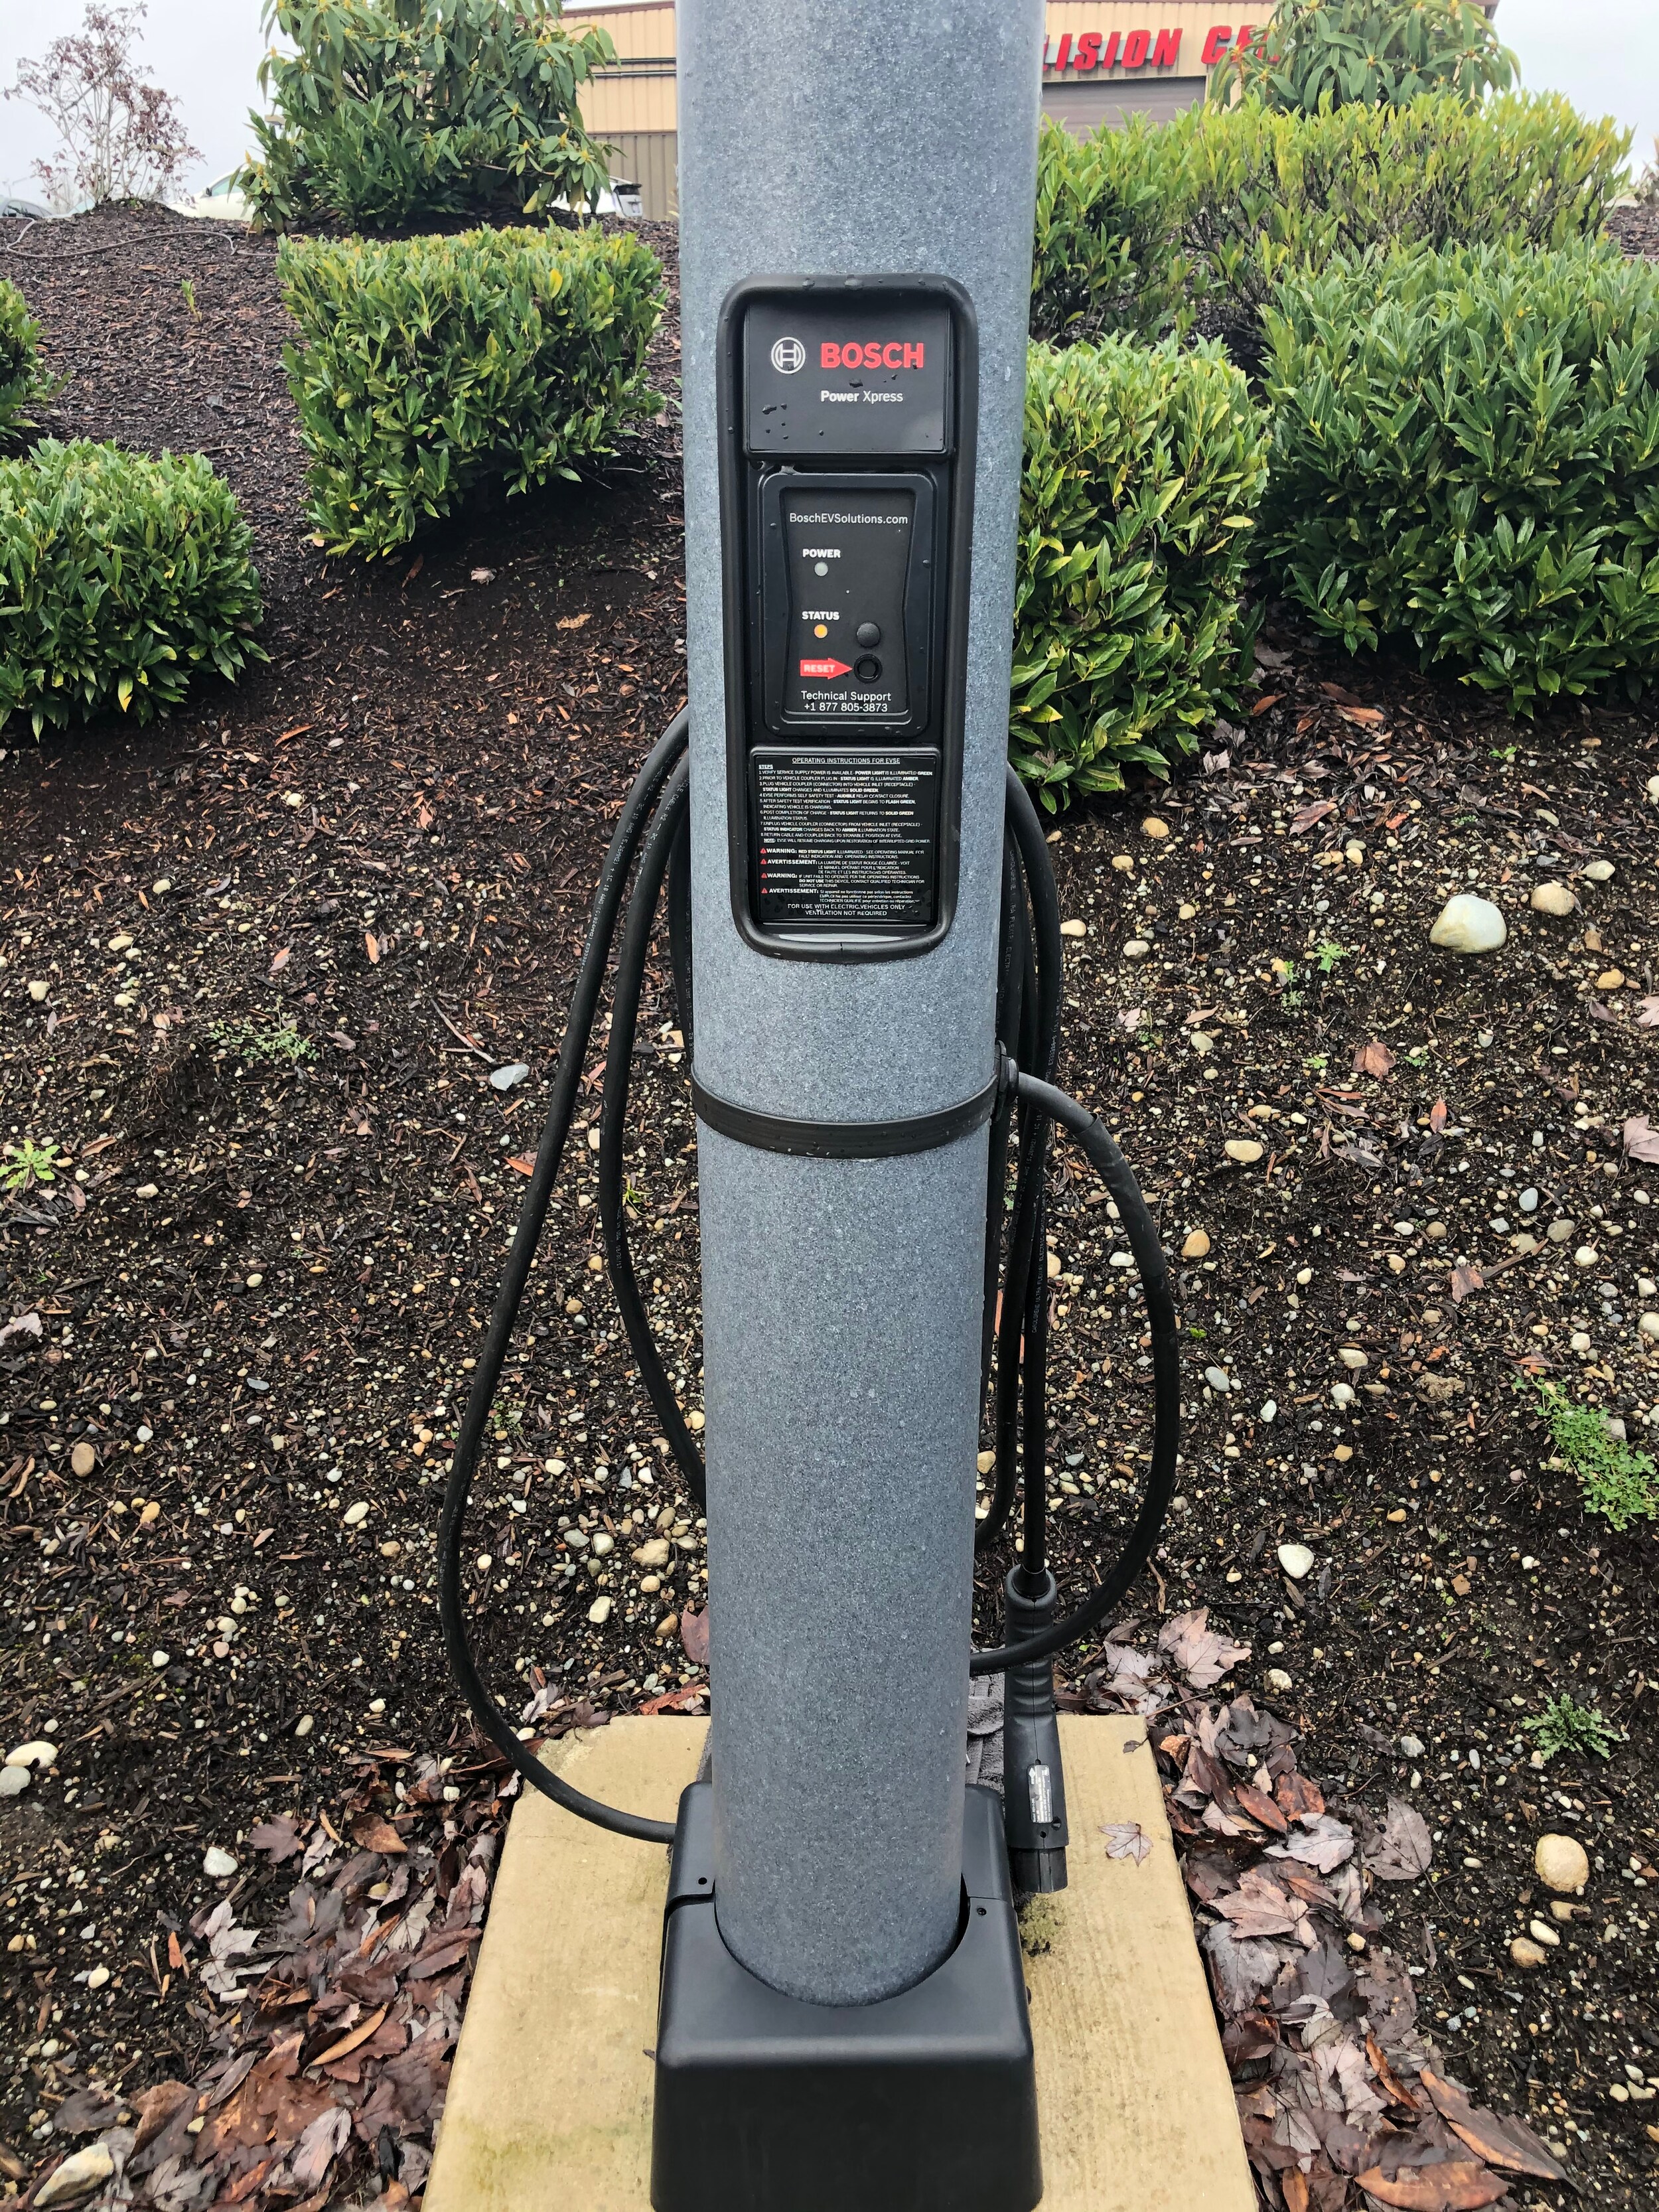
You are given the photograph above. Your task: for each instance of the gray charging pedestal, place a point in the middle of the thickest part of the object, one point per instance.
(856, 192)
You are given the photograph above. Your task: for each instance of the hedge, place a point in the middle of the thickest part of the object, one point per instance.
(121, 577)
(1143, 470)
(391, 113)
(20, 382)
(1466, 454)
(1386, 51)
(428, 367)
(1158, 225)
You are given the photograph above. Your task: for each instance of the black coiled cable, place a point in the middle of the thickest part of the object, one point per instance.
(652, 832)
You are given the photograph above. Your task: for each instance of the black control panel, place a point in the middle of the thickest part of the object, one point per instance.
(846, 518)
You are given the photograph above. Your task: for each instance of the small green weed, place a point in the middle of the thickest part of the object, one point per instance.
(1621, 1485)
(188, 291)
(281, 1046)
(30, 1163)
(1566, 1725)
(1330, 955)
(1505, 753)
(1316, 1063)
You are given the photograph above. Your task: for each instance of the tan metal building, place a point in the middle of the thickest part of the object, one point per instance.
(1103, 60)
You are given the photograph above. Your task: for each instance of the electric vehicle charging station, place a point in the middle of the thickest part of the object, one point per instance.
(866, 947)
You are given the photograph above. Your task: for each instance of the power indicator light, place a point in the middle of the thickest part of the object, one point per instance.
(820, 630)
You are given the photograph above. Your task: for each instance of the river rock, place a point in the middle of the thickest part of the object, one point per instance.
(81, 2172)
(84, 1459)
(1525, 1953)
(1196, 1246)
(217, 1863)
(1468, 924)
(1296, 1560)
(1352, 1358)
(1598, 871)
(40, 1751)
(1218, 1378)
(599, 1611)
(1562, 1863)
(1553, 898)
(1243, 1150)
(14, 1781)
(509, 1078)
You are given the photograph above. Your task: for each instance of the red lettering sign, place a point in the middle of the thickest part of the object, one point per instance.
(1087, 55)
(1113, 47)
(825, 668)
(897, 353)
(1065, 52)
(1135, 48)
(1214, 45)
(1167, 52)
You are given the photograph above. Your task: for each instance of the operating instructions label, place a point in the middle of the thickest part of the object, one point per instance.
(845, 836)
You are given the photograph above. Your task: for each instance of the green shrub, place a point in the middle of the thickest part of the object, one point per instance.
(20, 382)
(397, 112)
(432, 366)
(1386, 52)
(1142, 468)
(120, 577)
(1466, 453)
(1153, 227)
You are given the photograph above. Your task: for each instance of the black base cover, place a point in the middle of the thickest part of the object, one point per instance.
(926, 2102)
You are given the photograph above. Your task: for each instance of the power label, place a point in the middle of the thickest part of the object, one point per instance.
(844, 836)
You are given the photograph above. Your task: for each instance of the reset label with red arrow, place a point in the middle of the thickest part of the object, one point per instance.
(823, 668)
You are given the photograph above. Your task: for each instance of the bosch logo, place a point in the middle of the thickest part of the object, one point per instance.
(788, 357)
(896, 354)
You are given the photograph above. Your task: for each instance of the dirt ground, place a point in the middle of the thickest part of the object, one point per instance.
(286, 938)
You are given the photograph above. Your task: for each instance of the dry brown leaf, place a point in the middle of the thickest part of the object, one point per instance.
(1368, 717)
(374, 1834)
(1497, 2137)
(279, 960)
(1127, 1839)
(1373, 1058)
(1455, 2185)
(572, 622)
(1260, 1808)
(1641, 1140)
(1398, 2092)
(372, 946)
(1404, 1850)
(360, 2034)
(694, 1636)
(1465, 1281)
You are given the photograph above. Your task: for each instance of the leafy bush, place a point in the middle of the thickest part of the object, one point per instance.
(120, 577)
(396, 112)
(432, 366)
(1143, 467)
(1466, 453)
(1150, 227)
(20, 382)
(1382, 53)
(1621, 1485)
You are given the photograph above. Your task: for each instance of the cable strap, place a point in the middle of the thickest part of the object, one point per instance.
(844, 1141)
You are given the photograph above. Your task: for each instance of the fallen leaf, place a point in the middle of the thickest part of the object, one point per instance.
(1500, 2140)
(1373, 1058)
(156, 2106)
(1315, 811)
(413, 570)
(1437, 1117)
(83, 2112)
(372, 946)
(1404, 1850)
(572, 622)
(694, 1636)
(1465, 1279)
(1127, 1839)
(484, 576)
(523, 1163)
(320, 2145)
(26, 1324)
(1641, 1140)
(1398, 2092)
(1202, 1656)
(1647, 1013)
(1258, 1907)
(279, 960)
(1272, 699)
(374, 1834)
(360, 2034)
(1261, 1809)
(1454, 2186)
(1368, 717)
(1324, 1843)
(298, 731)
(275, 1837)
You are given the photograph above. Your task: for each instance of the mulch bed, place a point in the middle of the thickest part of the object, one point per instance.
(263, 1271)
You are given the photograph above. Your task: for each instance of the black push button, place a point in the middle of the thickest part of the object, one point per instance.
(868, 669)
(868, 633)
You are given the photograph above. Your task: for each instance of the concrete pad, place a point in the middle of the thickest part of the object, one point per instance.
(549, 2102)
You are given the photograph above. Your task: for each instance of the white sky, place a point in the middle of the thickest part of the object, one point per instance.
(205, 52)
